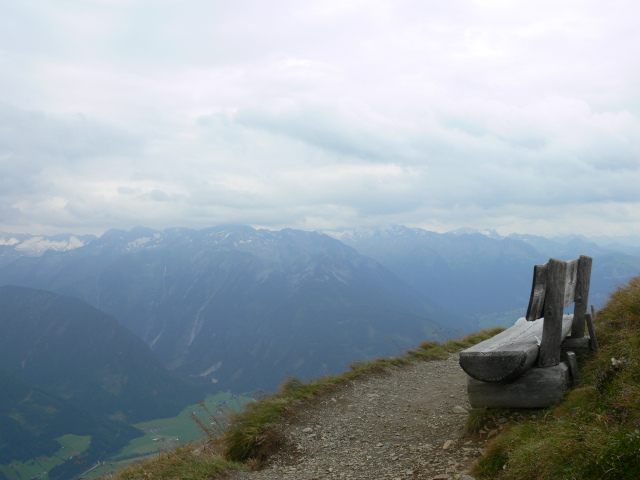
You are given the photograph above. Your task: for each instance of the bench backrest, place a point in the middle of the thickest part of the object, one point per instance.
(556, 285)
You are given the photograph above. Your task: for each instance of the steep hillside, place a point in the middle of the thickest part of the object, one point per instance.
(242, 307)
(69, 349)
(31, 420)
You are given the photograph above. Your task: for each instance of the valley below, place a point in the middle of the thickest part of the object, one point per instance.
(158, 435)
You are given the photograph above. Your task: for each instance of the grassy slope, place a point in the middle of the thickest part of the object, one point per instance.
(250, 434)
(595, 432)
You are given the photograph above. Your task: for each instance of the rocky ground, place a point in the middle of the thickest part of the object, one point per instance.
(407, 422)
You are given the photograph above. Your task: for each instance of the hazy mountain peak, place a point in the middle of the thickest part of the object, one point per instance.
(487, 232)
(36, 245)
(392, 231)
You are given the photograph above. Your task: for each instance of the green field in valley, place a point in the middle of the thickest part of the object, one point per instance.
(167, 433)
(70, 446)
(159, 435)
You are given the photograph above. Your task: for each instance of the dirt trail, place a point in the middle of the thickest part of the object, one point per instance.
(406, 423)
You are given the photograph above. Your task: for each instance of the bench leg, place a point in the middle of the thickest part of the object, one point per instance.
(537, 388)
(593, 341)
(573, 369)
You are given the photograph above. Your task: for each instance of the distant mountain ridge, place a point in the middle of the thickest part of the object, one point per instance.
(36, 245)
(242, 307)
(238, 306)
(482, 273)
(617, 257)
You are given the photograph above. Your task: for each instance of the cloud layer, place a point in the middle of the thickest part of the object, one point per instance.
(511, 115)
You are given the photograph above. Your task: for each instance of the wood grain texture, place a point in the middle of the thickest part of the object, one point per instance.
(553, 308)
(570, 282)
(508, 354)
(573, 369)
(593, 340)
(581, 296)
(535, 310)
(537, 388)
(579, 344)
(576, 281)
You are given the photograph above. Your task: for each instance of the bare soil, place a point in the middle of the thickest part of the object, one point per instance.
(407, 422)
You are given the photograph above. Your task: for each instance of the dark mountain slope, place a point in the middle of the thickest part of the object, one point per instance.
(31, 420)
(66, 347)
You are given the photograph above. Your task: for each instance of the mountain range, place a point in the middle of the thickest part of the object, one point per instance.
(134, 325)
(475, 274)
(241, 307)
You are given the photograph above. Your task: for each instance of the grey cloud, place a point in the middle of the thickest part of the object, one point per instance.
(128, 190)
(158, 196)
(477, 128)
(25, 28)
(43, 156)
(318, 114)
(33, 134)
(624, 161)
(325, 130)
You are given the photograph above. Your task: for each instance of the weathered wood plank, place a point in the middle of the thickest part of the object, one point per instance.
(593, 341)
(576, 281)
(581, 296)
(573, 369)
(571, 343)
(537, 388)
(570, 282)
(535, 310)
(508, 354)
(553, 308)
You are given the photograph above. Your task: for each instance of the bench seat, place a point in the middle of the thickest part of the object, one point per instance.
(509, 354)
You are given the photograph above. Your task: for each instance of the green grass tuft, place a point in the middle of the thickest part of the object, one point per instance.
(182, 463)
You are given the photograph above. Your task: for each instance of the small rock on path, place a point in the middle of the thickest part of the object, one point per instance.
(405, 423)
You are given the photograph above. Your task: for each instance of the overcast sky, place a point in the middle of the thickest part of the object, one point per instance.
(515, 115)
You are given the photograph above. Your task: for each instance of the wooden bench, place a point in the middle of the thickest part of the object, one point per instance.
(520, 367)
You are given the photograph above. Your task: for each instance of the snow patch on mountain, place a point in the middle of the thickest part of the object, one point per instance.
(487, 232)
(36, 246)
(211, 369)
(8, 241)
(138, 242)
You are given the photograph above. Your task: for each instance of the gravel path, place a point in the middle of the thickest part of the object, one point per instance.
(405, 423)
